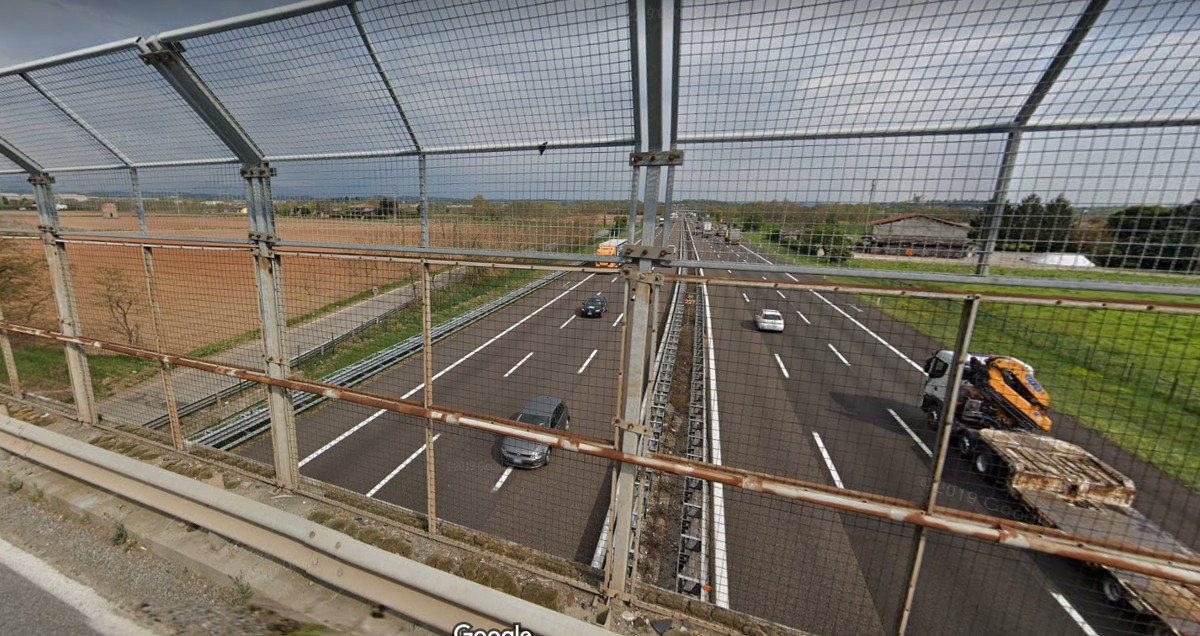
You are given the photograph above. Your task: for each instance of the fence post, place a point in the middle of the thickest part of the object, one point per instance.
(427, 361)
(1012, 144)
(164, 369)
(10, 363)
(962, 344)
(269, 278)
(64, 299)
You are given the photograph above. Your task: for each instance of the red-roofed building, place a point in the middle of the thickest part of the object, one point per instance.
(918, 235)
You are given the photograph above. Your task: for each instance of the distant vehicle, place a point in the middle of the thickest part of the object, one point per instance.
(593, 307)
(734, 236)
(768, 320)
(544, 411)
(611, 247)
(707, 229)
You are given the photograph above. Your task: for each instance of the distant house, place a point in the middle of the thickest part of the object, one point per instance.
(361, 210)
(60, 206)
(918, 235)
(108, 210)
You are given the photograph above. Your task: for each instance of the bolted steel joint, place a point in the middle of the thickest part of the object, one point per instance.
(158, 57)
(659, 158)
(631, 274)
(263, 237)
(40, 180)
(634, 427)
(652, 252)
(258, 172)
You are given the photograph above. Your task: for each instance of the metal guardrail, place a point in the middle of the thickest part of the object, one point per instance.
(251, 423)
(438, 599)
(692, 573)
(238, 387)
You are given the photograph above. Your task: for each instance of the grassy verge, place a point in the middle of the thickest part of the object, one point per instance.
(1129, 376)
(42, 368)
(786, 255)
(478, 288)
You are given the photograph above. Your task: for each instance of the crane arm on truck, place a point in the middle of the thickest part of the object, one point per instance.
(1008, 394)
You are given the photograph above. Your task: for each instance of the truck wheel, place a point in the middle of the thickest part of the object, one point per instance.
(965, 445)
(1113, 593)
(933, 417)
(983, 463)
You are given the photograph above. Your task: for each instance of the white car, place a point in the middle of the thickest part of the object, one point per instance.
(768, 320)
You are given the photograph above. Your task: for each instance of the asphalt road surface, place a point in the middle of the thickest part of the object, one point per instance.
(833, 399)
(539, 345)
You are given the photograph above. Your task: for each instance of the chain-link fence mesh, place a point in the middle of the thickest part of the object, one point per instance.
(860, 188)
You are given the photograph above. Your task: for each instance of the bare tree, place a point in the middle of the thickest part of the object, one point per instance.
(21, 289)
(121, 299)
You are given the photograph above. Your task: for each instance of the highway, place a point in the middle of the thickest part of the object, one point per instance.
(833, 400)
(536, 346)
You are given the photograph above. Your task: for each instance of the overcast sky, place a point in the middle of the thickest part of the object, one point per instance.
(33, 29)
(472, 73)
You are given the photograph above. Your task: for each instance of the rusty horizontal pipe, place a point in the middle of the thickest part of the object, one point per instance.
(1176, 567)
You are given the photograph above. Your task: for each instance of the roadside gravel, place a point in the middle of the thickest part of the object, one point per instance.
(164, 597)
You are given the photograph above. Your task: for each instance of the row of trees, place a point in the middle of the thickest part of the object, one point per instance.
(1137, 237)
(1158, 238)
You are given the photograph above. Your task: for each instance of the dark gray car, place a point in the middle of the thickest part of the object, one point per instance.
(544, 411)
(593, 307)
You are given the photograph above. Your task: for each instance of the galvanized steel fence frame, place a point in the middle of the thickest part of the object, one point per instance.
(654, 145)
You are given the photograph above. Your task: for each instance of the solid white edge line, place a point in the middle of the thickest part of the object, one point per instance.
(720, 557)
(602, 544)
(404, 464)
(803, 317)
(837, 479)
(587, 362)
(567, 322)
(503, 477)
(873, 334)
(1074, 614)
(337, 440)
(910, 433)
(518, 365)
(781, 367)
(618, 320)
(839, 355)
(760, 256)
(101, 615)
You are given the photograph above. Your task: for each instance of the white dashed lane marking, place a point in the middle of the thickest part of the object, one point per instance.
(518, 365)
(839, 355)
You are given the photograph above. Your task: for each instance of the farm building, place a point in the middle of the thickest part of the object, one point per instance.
(918, 235)
(109, 210)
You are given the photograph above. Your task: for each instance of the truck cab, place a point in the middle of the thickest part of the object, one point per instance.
(939, 369)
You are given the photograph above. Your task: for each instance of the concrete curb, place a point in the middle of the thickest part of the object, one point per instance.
(275, 586)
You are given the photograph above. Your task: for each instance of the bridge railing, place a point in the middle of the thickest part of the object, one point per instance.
(217, 220)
